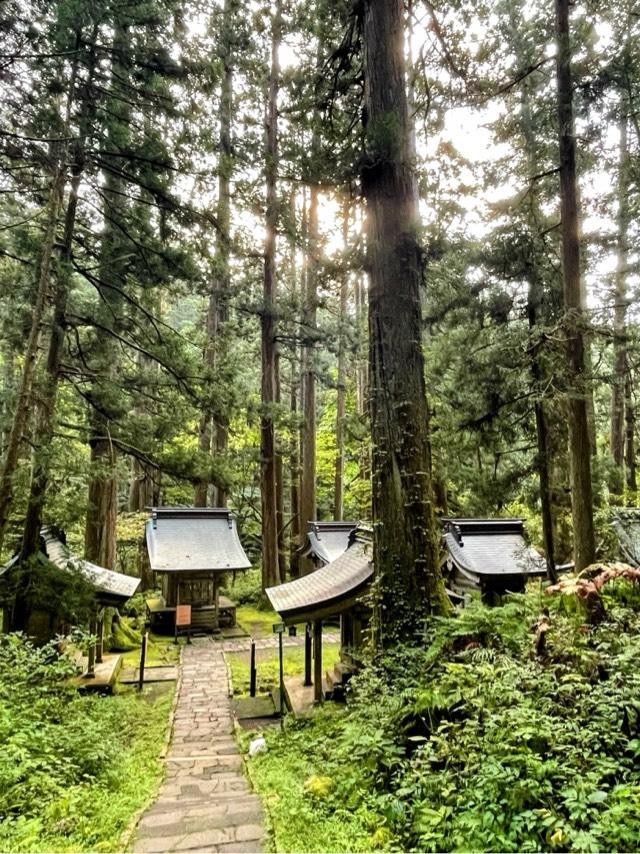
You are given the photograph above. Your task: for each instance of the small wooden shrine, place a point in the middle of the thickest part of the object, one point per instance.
(489, 556)
(326, 541)
(111, 589)
(335, 589)
(625, 523)
(190, 549)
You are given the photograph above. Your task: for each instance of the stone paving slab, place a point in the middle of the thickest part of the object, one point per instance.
(205, 803)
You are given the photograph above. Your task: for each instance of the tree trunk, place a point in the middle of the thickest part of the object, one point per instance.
(535, 298)
(406, 538)
(45, 425)
(24, 403)
(213, 426)
(308, 511)
(269, 483)
(294, 450)
(577, 406)
(106, 404)
(617, 438)
(338, 483)
(630, 452)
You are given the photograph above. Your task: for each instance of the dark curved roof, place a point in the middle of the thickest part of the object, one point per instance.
(194, 539)
(626, 524)
(326, 541)
(490, 547)
(331, 587)
(112, 588)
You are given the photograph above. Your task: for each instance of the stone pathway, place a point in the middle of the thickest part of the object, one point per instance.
(205, 802)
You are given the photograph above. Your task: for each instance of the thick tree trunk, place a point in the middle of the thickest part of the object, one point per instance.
(213, 427)
(338, 481)
(577, 407)
(406, 539)
(630, 451)
(294, 448)
(269, 482)
(107, 407)
(308, 511)
(535, 297)
(617, 438)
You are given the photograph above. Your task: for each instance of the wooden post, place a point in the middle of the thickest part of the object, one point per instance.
(281, 662)
(252, 671)
(100, 643)
(143, 656)
(91, 663)
(216, 603)
(307, 654)
(317, 661)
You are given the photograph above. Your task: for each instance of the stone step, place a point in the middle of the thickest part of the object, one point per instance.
(231, 800)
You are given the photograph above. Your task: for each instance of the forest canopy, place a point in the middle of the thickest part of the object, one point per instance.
(232, 273)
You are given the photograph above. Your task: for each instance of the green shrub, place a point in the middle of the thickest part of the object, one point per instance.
(74, 768)
(474, 743)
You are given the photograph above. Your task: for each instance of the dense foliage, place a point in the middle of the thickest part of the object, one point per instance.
(75, 768)
(475, 743)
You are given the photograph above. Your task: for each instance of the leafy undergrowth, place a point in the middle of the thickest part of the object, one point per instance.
(268, 666)
(74, 768)
(474, 743)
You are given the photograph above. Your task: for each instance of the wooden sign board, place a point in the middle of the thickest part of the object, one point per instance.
(183, 615)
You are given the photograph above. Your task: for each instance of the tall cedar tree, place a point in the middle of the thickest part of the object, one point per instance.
(577, 404)
(269, 481)
(406, 542)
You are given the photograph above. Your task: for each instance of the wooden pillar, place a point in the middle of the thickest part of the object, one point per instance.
(307, 654)
(317, 661)
(100, 633)
(91, 664)
(216, 602)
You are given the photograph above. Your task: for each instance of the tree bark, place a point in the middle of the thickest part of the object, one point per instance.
(535, 299)
(106, 405)
(575, 320)
(338, 481)
(630, 452)
(617, 437)
(294, 451)
(308, 510)
(269, 483)
(213, 436)
(406, 538)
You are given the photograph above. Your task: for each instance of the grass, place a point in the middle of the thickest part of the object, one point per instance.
(92, 815)
(291, 782)
(267, 666)
(258, 622)
(161, 650)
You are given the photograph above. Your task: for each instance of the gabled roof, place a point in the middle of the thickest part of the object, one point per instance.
(111, 587)
(490, 547)
(329, 589)
(626, 524)
(327, 540)
(194, 539)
